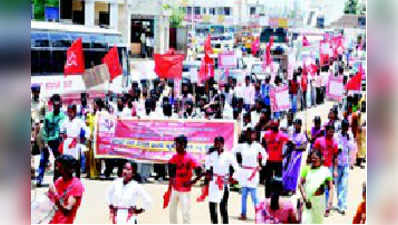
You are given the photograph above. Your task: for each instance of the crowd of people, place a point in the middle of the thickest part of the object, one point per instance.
(268, 144)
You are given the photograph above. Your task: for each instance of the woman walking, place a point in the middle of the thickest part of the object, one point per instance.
(314, 178)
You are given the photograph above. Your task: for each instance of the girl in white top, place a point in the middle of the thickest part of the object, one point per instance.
(123, 195)
(71, 129)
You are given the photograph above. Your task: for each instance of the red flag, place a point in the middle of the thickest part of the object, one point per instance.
(268, 57)
(169, 65)
(111, 59)
(166, 197)
(306, 43)
(256, 46)
(206, 68)
(354, 83)
(74, 59)
(208, 49)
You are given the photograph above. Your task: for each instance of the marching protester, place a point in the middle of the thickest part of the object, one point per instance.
(51, 136)
(274, 140)
(67, 191)
(315, 178)
(328, 146)
(268, 111)
(217, 165)
(346, 146)
(248, 175)
(74, 131)
(360, 215)
(181, 167)
(123, 195)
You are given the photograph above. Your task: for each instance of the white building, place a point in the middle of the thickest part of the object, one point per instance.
(140, 16)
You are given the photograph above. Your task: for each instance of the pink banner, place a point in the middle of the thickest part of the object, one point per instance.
(226, 60)
(153, 140)
(280, 100)
(335, 88)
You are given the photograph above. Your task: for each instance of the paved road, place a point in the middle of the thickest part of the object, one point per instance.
(94, 209)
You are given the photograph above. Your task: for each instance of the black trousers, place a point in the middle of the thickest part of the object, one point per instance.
(223, 208)
(318, 95)
(271, 169)
(54, 145)
(304, 100)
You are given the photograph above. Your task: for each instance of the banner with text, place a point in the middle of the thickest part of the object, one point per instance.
(280, 99)
(153, 140)
(227, 60)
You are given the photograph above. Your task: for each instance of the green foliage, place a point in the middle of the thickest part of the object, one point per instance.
(52, 3)
(38, 9)
(352, 7)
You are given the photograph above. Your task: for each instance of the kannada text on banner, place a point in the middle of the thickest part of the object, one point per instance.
(153, 140)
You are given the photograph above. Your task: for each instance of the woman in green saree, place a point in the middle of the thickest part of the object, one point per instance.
(314, 177)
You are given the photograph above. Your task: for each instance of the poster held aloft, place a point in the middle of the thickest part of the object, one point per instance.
(96, 76)
(280, 99)
(335, 88)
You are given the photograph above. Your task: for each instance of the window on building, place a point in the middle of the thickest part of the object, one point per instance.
(227, 11)
(204, 11)
(252, 10)
(212, 11)
(189, 10)
(220, 11)
(197, 10)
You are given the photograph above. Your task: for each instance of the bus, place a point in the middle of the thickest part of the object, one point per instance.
(280, 39)
(49, 43)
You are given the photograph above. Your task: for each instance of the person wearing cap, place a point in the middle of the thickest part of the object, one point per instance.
(217, 165)
(248, 176)
(51, 135)
(181, 167)
(328, 146)
(346, 145)
(274, 141)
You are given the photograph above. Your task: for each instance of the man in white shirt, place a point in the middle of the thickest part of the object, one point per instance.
(121, 110)
(248, 175)
(248, 94)
(217, 165)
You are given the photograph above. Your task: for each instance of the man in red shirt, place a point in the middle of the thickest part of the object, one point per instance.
(329, 148)
(67, 191)
(181, 167)
(274, 141)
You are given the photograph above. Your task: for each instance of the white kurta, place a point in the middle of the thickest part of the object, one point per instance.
(126, 196)
(220, 163)
(250, 159)
(72, 129)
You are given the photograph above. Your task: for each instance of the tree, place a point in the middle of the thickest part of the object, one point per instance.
(177, 15)
(351, 7)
